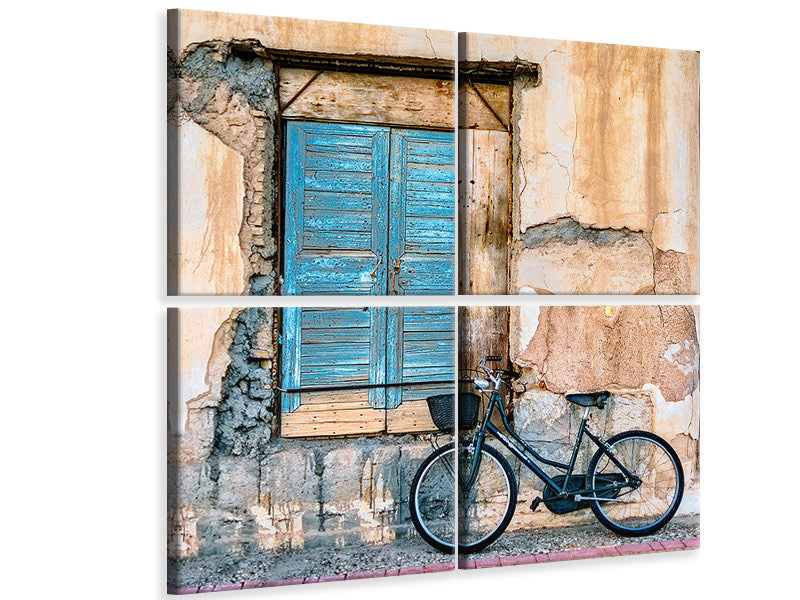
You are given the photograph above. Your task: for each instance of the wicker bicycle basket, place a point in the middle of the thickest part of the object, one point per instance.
(442, 408)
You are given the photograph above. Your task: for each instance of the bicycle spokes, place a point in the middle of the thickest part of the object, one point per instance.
(646, 498)
(486, 506)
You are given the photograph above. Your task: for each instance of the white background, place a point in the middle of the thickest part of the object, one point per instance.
(83, 247)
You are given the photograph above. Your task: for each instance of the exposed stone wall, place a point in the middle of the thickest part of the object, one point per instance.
(295, 494)
(605, 173)
(246, 414)
(646, 356)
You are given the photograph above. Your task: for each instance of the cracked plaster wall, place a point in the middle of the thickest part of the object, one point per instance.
(646, 356)
(221, 119)
(608, 142)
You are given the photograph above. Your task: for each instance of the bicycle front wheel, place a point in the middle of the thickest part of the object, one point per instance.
(433, 499)
(647, 500)
(485, 508)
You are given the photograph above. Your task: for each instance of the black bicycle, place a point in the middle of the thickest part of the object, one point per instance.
(633, 484)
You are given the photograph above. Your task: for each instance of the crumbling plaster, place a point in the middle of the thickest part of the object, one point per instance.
(221, 125)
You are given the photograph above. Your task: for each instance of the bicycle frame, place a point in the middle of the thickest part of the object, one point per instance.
(528, 455)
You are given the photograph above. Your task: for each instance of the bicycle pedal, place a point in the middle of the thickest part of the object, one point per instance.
(536, 502)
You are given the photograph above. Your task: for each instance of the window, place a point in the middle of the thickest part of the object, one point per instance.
(369, 209)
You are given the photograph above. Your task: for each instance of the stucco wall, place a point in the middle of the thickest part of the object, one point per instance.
(605, 167)
(306, 35)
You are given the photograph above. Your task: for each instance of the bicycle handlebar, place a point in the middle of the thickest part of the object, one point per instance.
(504, 373)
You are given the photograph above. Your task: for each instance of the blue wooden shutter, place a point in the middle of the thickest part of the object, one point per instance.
(336, 207)
(422, 212)
(420, 348)
(333, 346)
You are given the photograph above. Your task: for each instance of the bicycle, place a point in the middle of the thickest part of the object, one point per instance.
(633, 484)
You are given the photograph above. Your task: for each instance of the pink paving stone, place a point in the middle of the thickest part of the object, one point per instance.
(311, 580)
(542, 557)
(656, 546)
(467, 564)
(439, 567)
(560, 556)
(182, 590)
(411, 570)
(672, 545)
(692, 542)
(226, 587)
(485, 563)
(524, 559)
(392, 572)
(324, 578)
(611, 551)
(282, 582)
(589, 553)
(366, 574)
(249, 585)
(634, 548)
(205, 588)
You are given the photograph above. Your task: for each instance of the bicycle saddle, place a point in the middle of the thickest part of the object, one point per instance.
(589, 399)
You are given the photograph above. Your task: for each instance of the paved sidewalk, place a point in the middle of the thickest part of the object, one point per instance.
(602, 552)
(513, 548)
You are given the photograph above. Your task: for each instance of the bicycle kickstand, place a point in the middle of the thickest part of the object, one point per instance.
(536, 502)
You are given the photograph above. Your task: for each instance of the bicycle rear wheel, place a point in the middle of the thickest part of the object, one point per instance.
(485, 508)
(433, 499)
(651, 498)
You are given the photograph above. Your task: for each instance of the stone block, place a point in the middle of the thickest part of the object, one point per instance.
(238, 484)
(289, 476)
(189, 485)
(341, 479)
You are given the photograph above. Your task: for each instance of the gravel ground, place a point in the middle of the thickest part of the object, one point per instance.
(536, 541)
(301, 563)
(402, 553)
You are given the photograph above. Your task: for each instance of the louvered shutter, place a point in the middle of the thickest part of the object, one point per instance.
(336, 208)
(422, 212)
(333, 347)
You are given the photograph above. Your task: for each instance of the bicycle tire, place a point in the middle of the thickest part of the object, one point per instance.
(428, 500)
(469, 500)
(649, 506)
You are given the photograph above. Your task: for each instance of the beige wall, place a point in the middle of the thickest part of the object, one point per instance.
(304, 35)
(200, 339)
(210, 198)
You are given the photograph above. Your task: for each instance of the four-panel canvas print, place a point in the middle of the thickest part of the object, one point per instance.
(352, 437)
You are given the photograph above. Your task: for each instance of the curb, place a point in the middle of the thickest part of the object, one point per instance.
(623, 550)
